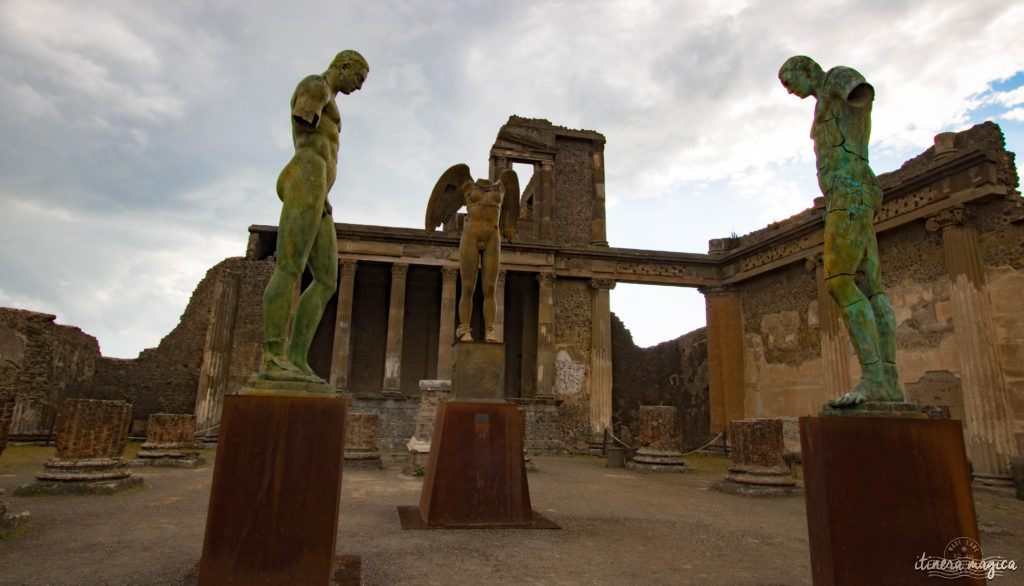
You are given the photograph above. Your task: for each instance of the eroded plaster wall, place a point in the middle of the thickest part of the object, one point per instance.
(572, 352)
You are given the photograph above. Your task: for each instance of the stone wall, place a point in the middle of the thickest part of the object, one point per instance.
(165, 379)
(572, 354)
(671, 373)
(43, 359)
(574, 184)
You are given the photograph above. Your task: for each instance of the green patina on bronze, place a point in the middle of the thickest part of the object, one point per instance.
(853, 196)
(305, 234)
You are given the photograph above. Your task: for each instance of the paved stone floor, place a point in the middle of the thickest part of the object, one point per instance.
(618, 527)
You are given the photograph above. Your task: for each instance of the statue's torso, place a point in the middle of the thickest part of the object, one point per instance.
(483, 207)
(322, 139)
(841, 133)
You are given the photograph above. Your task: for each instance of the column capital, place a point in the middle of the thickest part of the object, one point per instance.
(501, 278)
(546, 279)
(399, 270)
(602, 284)
(812, 262)
(951, 216)
(348, 268)
(449, 273)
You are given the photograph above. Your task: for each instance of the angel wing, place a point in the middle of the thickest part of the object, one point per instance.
(448, 196)
(509, 204)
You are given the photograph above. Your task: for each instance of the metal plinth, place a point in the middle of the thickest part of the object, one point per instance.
(880, 493)
(476, 475)
(276, 489)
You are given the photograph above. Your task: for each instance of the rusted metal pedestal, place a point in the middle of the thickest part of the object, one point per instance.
(273, 515)
(476, 476)
(880, 493)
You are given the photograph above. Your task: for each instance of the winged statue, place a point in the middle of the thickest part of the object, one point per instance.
(492, 209)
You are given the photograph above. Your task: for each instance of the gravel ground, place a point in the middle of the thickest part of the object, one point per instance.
(618, 527)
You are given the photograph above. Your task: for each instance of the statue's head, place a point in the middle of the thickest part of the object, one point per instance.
(801, 75)
(347, 71)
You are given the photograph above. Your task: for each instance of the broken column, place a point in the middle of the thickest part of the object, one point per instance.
(8, 522)
(759, 467)
(90, 439)
(658, 439)
(432, 392)
(170, 441)
(361, 441)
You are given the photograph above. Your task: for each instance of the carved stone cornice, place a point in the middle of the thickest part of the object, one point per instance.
(951, 216)
(718, 290)
(608, 284)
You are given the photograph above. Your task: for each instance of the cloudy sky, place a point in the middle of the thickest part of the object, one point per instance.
(139, 140)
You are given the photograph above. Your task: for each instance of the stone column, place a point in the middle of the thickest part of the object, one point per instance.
(446, 337)
(725, 356)
(213, 375)
(396, 321)
(545, 207)
(90, 440)
(170, 441)
(499, 305)
(658, 439)
(498, 164)
(758, 465)
(598, 236)
(988, 431)
(546, 335)
(601, 356)
(835, 341)
(8, 522)
(343, 327)
(361, 449)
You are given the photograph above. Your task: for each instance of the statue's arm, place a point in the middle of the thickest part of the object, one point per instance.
(311, 95)
(850, 85)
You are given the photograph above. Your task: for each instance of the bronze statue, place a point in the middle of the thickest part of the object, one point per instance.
(853, 196)
(491, 213)
(305, 235)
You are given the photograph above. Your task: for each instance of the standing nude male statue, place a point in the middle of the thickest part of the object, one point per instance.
(853, 196)
(305, 235)
(491, 212)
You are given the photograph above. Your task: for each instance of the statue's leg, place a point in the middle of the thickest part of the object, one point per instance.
(300, 216)
(844, 251)
(870, 282)
(488, 280)
(469, 259)
(323, 265)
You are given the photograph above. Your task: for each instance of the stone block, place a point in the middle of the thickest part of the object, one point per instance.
(361, 441)
(479, 371)
(170, 441)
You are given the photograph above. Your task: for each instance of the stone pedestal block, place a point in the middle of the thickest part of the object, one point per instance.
(759, 466)
(361, 449)
(432, 393)
(276, 491)
(170, 441)
(658, 438)
(476, 475)
(880, 493)
(479, 372)
(90, 439)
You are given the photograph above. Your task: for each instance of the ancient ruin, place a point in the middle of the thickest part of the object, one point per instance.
(759, 465)
(170, 441)
(950, 232)
(658, 441)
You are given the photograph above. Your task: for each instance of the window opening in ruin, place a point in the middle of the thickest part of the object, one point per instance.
(527, 185)
(655, 313)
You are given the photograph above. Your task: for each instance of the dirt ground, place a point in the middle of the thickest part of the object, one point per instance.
(618, 527)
